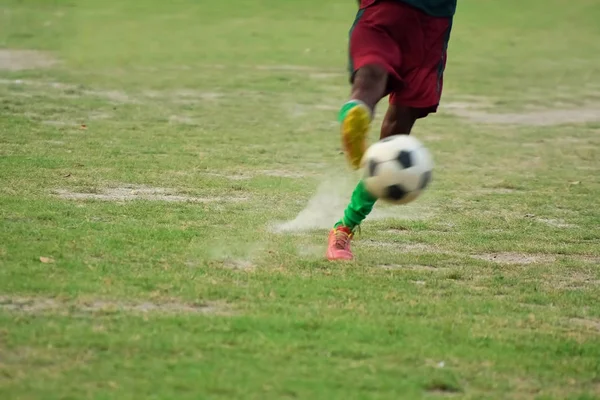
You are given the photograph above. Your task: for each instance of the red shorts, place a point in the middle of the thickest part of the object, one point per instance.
(409, 44)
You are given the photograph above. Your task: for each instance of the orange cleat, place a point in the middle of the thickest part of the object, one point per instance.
(339, 244)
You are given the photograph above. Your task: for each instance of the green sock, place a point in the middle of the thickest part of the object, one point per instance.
(347, 107)
(360, 206)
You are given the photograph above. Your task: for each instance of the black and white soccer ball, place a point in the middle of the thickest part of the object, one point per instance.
(397, 169)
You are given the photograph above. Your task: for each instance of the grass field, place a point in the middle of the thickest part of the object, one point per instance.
(152, 151)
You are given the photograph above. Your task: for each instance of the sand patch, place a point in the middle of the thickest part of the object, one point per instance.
(129, 193)
(515, 258)
(39, 305)
(20, 60)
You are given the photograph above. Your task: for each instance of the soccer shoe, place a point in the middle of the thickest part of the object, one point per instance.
(354, 129)
(339, 244)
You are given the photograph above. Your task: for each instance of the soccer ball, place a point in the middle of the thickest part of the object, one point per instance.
(397, 169)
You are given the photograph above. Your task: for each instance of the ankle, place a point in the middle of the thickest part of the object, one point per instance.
(350, 105)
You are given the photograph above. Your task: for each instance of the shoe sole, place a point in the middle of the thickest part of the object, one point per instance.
(355, 128)
(331, 258)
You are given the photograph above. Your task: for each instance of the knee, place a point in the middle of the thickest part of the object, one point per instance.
(370, 75)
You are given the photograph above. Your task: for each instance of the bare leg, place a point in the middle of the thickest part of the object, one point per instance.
(398, 120)
(369, 85)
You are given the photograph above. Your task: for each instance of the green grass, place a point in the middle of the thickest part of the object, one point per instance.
(184, 95)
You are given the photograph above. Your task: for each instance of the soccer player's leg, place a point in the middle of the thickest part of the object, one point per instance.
(398, 120)
(373, 56)
(416, 89)
(355, 115)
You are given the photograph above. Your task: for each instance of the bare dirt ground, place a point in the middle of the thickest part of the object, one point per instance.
(20, 60)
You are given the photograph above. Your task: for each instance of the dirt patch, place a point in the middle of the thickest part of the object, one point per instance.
(238, 264)
(391, 267)
(114, 96)
(515, 258)
(326, 107)
(403, 247)
(593, 324)
(54, 85)
(19, 60)
(589, 259)
(530, 118)
(182, 120)
(194, 94)
(557, 223)
(439, 388)
(281, 173)
(39, 305)
(233, 177)
(296, 110)
(183, 96)
(574, 280)
(395, 231)
(251, 174)
(93, 116)
(325, 75)
(494, 191)
(412, 267)
(310, 250)
(74, 91)
(287, 67)
(129, 193)
(62, 124)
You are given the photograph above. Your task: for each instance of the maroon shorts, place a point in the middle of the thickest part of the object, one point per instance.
(409, 44)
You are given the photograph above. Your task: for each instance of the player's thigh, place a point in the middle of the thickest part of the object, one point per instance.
(371, 44)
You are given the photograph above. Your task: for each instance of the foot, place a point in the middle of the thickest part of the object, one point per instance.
(355, 121)
(339, 244)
